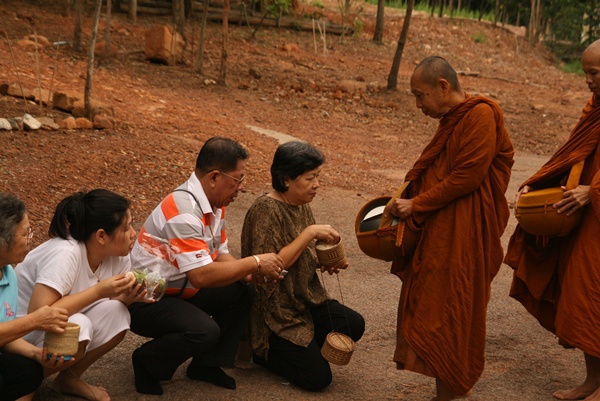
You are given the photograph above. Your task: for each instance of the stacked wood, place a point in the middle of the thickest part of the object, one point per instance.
(238, 14)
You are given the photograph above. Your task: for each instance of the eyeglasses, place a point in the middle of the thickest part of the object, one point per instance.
(29, 235)
(237, 180)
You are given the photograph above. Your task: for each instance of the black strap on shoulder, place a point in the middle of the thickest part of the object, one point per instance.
(191, 193)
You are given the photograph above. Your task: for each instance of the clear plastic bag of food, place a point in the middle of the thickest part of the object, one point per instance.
(153, 264)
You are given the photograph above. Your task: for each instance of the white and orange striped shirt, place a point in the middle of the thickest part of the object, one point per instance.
(188, 226)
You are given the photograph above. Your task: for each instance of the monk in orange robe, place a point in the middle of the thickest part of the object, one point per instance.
(558, 279)
(457, 194)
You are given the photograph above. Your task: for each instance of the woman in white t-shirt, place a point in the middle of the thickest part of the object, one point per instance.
(82, 269)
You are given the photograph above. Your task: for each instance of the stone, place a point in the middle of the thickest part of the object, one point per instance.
(83, 123)
(64, 100)
(30, 123)
(41, 40)
(289, 47)
(15, 91)
(102, 121)
(48, 124)
(97, 108)
(46, 96)
(162, 46)
(16, 123)
(5, 125)
(67, 123)
(254, 73)
(28, 45)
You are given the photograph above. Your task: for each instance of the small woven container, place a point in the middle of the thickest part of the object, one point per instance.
(66, 343)
(331, 255)
(337, 348)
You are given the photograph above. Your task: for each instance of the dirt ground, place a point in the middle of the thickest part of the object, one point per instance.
(334, 99)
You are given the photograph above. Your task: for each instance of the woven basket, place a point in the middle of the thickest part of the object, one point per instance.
(337, 348)
(66, 343)
(331, 255)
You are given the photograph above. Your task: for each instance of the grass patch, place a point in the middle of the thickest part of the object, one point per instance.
(572, 67)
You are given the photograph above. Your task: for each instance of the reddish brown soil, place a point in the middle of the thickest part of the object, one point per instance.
(370, 138)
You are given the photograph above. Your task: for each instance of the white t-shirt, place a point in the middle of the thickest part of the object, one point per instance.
(63, 265)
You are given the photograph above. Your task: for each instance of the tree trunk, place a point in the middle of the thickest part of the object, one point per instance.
(200, 63)
(533, 33)
(79, 6)
(223, 75)
(133, 10)
(378, 35)
(496, 13)
(441, 12)
(87, 96)
(179, 16)
(393, 77)
(107, 29)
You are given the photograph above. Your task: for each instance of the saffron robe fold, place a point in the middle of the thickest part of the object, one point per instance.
(458, 188)
(556, 279)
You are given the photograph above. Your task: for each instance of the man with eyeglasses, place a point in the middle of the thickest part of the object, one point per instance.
(207, 301)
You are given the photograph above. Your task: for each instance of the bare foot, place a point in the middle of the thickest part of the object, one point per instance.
(73, 385)
(595, 396)
(456, 397)
(578, 393)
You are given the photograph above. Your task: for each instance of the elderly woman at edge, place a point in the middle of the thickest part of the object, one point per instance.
(21, 363)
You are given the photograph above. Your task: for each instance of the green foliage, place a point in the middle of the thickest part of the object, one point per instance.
(359, 27)
(573, 67)
(479, 37)
(277, 8)
(425, 7)
(317, 3)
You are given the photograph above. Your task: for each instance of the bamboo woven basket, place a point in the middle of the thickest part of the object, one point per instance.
(66, 343)
(331, 255)
(337, 348)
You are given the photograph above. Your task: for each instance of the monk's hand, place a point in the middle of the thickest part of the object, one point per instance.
(573, 199)
(522, 191)
(402, 208)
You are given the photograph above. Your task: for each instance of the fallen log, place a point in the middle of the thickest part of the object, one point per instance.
(244, 17)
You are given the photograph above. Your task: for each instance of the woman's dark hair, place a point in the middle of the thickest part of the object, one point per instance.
(221, 154)
(291, 160)
(83, 213)
(12, 212)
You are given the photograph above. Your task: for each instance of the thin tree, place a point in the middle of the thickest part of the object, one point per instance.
(535, 19)
(200, 61)
(179, 16)
(223, 74)
(378, 35)
(107, 29)
(393, 77)
(79, 6)
(132, 12)
(87, 96)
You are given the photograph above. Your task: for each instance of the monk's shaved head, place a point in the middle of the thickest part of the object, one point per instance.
(593, 49)
(433, 68)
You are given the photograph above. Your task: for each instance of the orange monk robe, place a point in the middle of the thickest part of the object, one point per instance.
(558, 279)
(458, 188)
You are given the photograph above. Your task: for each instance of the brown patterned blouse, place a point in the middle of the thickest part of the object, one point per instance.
(282, 308)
